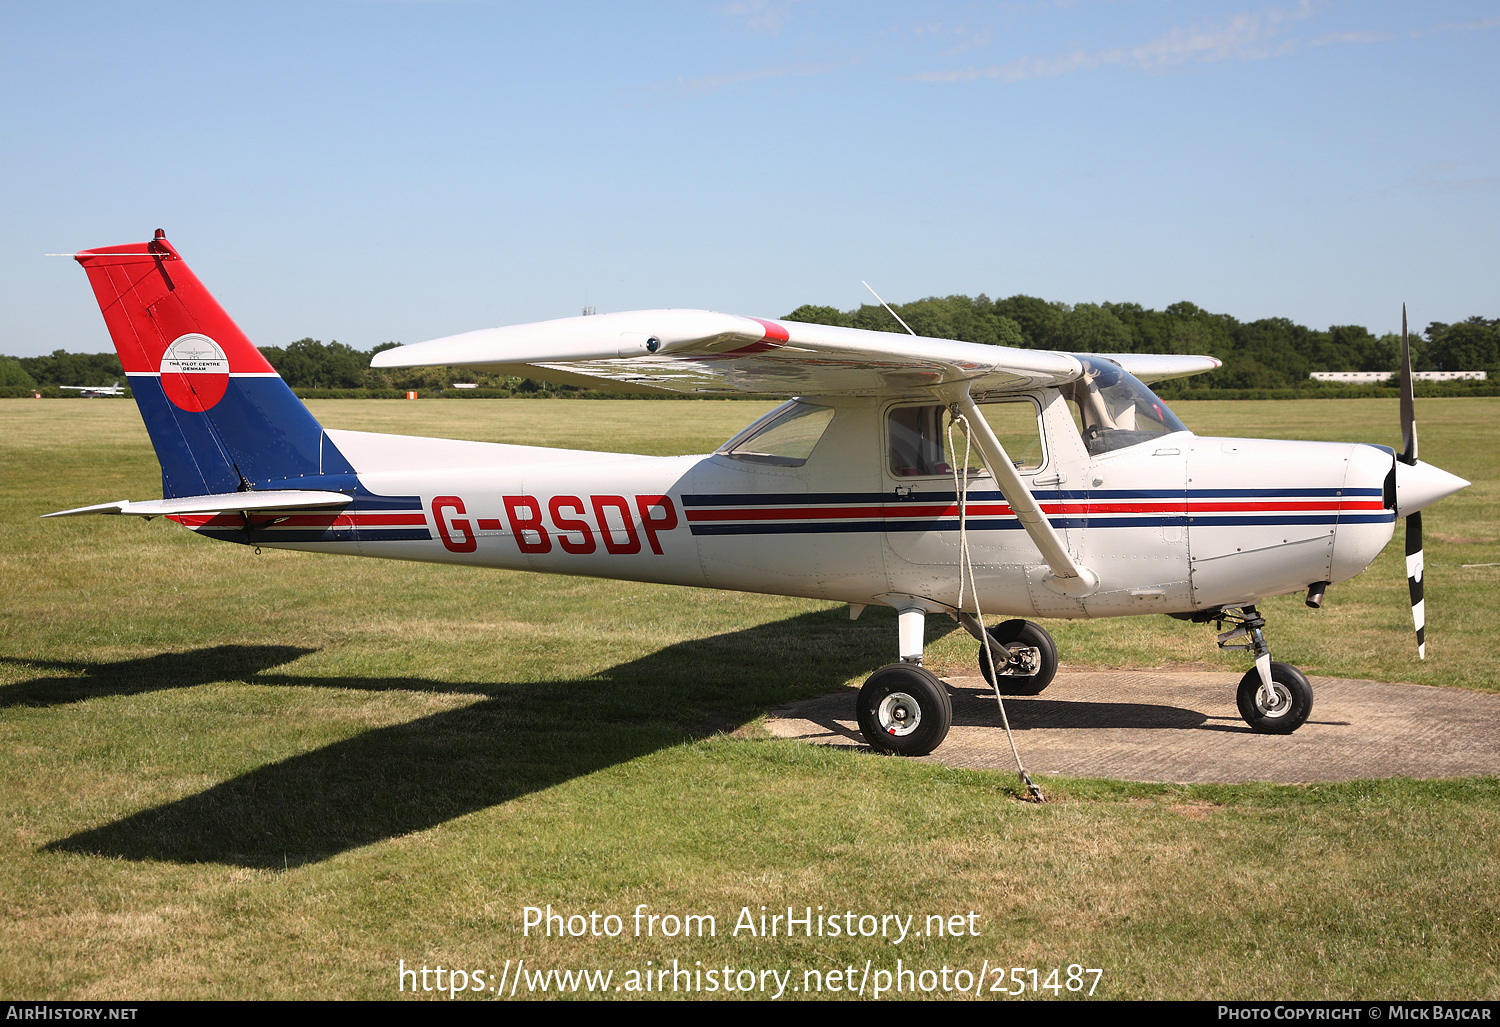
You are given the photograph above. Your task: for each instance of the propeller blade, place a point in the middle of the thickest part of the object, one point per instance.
(1414, 580)
(1414, 520)
(1408, 405)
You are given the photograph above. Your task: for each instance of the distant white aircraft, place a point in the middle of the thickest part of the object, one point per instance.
(932, 476)
(90, 391)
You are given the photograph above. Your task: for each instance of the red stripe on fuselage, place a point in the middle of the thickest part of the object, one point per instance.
(234, 520)
(922, 511)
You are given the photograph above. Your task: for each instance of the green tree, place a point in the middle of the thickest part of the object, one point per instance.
(1089, 328)
(1040, 321)
(1275, 343)
(1249, 373)
(1472, 345)
(64, 368)
(308, 363)
(1191, 329)
(13, 374)
(812, 314)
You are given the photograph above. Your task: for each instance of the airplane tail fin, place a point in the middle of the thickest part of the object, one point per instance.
(220, 417)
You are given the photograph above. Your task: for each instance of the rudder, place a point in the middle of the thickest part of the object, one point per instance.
(220, 418)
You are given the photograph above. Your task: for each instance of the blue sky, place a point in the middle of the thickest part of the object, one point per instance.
(366, 171)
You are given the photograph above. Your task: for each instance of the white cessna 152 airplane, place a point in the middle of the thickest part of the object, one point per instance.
(1084, 495)
(94, 391)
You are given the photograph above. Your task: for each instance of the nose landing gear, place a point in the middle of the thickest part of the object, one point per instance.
(1274, 698)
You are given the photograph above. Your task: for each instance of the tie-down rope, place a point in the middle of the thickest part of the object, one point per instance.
(966, 571)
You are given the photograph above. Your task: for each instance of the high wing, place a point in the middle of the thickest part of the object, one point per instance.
(1157, 367)
(704, 352)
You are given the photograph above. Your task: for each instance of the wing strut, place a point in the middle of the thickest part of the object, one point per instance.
(1068, 578)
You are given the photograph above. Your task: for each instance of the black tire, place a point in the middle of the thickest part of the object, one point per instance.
(1294, 696)
(1022, 632)
(904, 709)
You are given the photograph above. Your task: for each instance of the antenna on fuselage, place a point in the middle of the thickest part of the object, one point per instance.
(887, 306)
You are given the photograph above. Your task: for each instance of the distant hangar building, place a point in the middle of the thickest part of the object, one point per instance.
(1377, 377)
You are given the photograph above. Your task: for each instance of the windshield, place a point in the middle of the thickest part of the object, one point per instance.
(1114, 409)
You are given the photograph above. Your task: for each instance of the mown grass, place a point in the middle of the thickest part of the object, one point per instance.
(230, 775)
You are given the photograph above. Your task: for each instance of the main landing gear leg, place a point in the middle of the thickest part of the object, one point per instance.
(1274, 698)
(903, 707)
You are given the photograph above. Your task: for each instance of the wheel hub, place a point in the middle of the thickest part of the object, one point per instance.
(1275, 701)
(899, 714)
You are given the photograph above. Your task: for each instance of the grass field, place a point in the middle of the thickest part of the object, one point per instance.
(225, 774)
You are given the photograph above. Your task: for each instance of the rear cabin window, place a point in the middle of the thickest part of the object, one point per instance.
(785, 437)
(918, 439)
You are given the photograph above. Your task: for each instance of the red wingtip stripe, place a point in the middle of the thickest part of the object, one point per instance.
(775, 332)
(776, 336)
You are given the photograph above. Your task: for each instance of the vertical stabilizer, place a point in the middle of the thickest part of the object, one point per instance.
(220, 417)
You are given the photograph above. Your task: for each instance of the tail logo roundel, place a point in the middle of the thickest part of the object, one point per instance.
(194, 372)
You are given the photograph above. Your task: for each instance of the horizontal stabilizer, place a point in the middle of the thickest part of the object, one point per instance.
(230, 502)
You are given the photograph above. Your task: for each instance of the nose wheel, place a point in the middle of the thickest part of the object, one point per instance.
(1280, 707)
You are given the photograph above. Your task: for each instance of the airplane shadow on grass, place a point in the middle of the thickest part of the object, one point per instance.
(148, 674)
(516, 738)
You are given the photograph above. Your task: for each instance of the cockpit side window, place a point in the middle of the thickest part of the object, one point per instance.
(1113, 409)
(917, 446)
(918, 439)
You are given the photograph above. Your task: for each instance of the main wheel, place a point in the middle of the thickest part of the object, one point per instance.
(1025, 633)
(1284, 709)
(905, 709)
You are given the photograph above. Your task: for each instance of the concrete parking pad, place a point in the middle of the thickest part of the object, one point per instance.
(1182, 726)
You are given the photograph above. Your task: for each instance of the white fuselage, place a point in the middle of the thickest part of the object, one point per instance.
(1171, 525)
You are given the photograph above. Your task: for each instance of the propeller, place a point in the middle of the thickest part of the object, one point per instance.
(1418, 485)
(1414, 520)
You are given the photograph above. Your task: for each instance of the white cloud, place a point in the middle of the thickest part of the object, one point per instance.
(968, 40)
(1240, 37)
(760, 15)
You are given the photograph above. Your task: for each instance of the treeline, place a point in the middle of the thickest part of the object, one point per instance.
(305, 364)
(310, 364)
(1269, 354)
(61, 368)
(1272, 353)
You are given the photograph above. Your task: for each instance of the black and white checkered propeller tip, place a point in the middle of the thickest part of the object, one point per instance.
(1418, 485)
(1413, 520)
